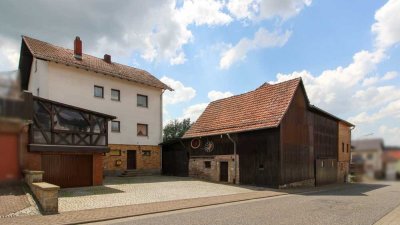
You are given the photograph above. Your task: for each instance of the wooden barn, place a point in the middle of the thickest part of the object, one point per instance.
(270, 136)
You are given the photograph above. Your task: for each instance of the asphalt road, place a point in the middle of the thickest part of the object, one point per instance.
(357, 204)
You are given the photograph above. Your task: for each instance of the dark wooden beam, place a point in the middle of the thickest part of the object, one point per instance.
(67, 148)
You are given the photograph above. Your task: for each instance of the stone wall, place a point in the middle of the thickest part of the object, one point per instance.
(46, 194)
(197, 168)
(143, 162)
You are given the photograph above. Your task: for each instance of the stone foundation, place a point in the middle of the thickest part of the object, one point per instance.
(343, 172)
(144, 162)
(197, 167)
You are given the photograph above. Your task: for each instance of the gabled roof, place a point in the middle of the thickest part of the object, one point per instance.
(46, 51)
(261, 108)
(368, 144)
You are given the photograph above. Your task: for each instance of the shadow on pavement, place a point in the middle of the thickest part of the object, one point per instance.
(86, 191)
(348, 190)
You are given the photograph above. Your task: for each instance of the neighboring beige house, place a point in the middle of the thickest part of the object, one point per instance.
(369, 153)
(133, 95)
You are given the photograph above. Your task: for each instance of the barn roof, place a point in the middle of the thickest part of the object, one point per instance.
(46, 51)
(263, 107)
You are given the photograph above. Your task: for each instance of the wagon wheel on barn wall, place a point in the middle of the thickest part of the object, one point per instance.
(209, 146)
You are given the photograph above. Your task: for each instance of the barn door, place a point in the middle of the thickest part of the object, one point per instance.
(223, 171)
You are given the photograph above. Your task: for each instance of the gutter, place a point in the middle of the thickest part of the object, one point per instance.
(235, 158)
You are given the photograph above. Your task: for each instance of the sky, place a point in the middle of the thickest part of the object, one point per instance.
(347, 52)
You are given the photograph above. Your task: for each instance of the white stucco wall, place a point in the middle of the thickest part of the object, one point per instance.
(75, 86)
(39, 78)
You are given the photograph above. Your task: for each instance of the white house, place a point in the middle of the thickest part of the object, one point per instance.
(133, 95)
(369, 152)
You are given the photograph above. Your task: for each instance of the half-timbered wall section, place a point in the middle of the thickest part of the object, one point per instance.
(56, 124)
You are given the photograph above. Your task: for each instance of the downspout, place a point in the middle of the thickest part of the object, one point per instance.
(234, 155)
(161, 126)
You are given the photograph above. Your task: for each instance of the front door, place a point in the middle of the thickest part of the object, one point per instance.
(223, 171)
(131, 161)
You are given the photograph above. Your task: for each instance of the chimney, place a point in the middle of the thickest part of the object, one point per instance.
(107, 58)
(78, 48)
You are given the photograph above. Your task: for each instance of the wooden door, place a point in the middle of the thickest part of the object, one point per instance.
(68, 170)
(223, 171)
(131, 160)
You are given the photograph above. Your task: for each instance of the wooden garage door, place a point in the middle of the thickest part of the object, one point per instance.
(67, 170)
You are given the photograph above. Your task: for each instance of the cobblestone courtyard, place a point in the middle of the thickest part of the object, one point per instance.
(118, 191)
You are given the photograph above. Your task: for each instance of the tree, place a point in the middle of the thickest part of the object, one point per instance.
(176, 129)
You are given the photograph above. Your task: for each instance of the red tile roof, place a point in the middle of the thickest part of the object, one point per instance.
(262, 108)
(46, 51)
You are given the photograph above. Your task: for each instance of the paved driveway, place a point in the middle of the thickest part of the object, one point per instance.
(119, 191)
(14, 201)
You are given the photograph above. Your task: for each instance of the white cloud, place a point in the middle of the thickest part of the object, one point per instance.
(262, 39)
(203, 12)
(390, 75)
(215, 95)
(392, 134)
(370, 81)
(387, 26)
(180, 93)
(331, 88)
(284, 8)
(9, 54)
(193, 112)
(155, 30)
(266, 9)
(243, 9)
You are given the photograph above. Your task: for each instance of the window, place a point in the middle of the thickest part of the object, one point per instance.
(142, 101)
(142, 129)
(98, 92)
(115, 152)
(115, 95)
(115, 126)
(370, 156)
(261, 167)
(347, 148)
(342, 147)
(146, 153)
(207, 164)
